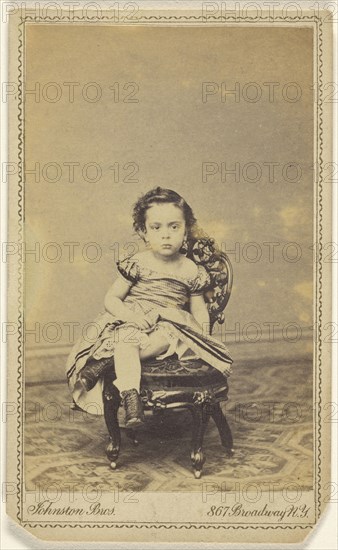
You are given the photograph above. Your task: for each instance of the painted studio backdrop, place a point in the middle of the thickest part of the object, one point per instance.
(223, 117)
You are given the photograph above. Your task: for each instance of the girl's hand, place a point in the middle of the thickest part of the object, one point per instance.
(143, 322)
(152, 317)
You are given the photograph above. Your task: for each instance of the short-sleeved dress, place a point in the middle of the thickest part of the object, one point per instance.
(166, 297)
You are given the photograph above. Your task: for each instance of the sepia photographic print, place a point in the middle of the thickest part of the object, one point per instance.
(169, 259)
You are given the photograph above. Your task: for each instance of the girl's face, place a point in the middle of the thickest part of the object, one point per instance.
(165, 228)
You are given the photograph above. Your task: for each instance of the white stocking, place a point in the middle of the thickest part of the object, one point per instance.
(127, 367)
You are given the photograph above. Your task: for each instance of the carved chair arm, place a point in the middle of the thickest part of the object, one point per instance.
(204, 251)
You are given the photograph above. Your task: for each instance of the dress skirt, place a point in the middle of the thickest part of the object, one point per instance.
(185, 338)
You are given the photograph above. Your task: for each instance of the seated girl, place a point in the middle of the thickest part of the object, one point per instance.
(154, 309)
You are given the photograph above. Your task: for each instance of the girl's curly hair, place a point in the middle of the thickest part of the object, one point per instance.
(159, 195)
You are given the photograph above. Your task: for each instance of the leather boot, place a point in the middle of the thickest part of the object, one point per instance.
(93, 370)
(133, 406)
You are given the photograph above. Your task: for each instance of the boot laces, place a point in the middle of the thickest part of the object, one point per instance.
(131, 400)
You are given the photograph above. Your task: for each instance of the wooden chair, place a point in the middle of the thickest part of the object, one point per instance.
(174, 384)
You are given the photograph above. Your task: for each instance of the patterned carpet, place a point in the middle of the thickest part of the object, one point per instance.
(269, 411)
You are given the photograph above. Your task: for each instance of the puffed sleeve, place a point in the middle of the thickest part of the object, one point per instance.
(201, 282)
(128, 269)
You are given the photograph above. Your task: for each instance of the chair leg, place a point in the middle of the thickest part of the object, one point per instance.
(131, 434)
(201, 414)
(223, 428)
(111, 403)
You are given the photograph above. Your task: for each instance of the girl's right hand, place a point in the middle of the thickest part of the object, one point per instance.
(141, 321)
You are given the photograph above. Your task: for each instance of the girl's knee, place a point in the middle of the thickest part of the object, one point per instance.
(158, 344)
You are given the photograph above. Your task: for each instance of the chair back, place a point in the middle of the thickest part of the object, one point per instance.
(203, 251)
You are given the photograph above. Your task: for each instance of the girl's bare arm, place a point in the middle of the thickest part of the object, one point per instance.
(200, 313)
(113, 303)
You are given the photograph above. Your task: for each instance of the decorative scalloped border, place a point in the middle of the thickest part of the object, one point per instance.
(19, 475)
(320, 261)
(174, 19)
(161, 526)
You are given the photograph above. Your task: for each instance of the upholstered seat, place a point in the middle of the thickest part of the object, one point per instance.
(191, 384)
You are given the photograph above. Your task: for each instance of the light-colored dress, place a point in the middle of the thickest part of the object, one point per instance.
(167, 297)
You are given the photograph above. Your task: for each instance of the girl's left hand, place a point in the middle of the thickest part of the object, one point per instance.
(152, 317)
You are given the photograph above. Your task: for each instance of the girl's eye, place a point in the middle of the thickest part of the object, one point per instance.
(174, 226)
(156, 227)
